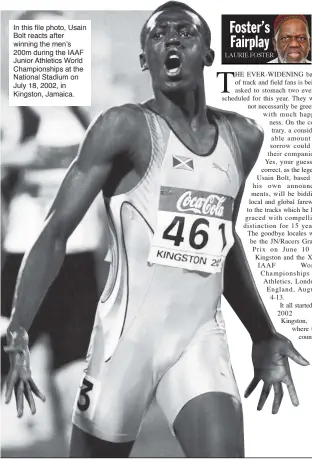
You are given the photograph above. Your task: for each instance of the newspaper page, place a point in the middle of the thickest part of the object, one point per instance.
(64, 63)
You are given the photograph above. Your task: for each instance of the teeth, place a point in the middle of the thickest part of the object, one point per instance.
(173, 64)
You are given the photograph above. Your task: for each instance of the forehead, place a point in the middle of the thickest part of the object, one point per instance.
(293, 25)
(173, 15)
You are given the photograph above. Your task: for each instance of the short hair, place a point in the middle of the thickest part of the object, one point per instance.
(279, 20)
(30, 15)
(173, 4)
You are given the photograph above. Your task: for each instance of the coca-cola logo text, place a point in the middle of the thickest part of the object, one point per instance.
(211, 205)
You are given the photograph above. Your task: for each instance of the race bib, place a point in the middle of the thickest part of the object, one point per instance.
(193, 231)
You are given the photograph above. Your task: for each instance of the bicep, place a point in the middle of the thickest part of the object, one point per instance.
(250, 138)
(76, 194)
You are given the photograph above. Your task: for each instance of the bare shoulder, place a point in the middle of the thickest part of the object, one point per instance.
(249, 136)
(114, 131)
(128, 115)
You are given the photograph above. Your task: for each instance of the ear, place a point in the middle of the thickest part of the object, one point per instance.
(209, 57)
(143, 62)
(274, 44)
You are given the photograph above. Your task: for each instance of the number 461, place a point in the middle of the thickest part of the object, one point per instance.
(176, 235)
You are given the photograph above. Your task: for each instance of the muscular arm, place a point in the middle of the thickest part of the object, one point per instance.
(270, 350)
(108, 138)
(241, 292)
(239, 287)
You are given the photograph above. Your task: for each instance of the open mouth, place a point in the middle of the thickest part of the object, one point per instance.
(173, 63)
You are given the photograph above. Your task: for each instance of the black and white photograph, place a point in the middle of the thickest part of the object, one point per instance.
(156, 229)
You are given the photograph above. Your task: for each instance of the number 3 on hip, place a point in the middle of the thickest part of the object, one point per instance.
(84, 399)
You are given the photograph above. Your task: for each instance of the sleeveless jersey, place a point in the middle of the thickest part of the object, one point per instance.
(169, 238)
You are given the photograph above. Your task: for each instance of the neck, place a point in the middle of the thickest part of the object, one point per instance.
(189, 105)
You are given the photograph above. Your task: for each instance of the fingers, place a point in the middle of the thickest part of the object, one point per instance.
(29, 397)
(9, 388)
(294, 355)
(22, 388)
(36, 391)
(19, 395)
(291, 389)
(252, 386)
(278, 396)
(264, 395)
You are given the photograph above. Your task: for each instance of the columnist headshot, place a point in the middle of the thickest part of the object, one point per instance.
(292, 41)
